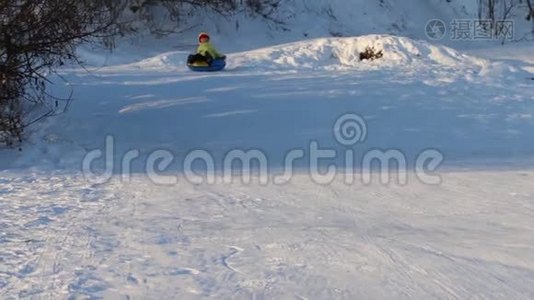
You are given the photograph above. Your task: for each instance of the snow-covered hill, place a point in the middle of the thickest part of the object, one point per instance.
(331, 54)
(298, 20)
(151, 230)
(400, 54)
(344, 54)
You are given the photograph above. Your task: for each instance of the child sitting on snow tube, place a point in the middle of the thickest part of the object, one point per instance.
(206, 52)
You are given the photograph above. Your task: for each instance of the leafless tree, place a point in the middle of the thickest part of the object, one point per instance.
(530, 15)
(179, 10)
(36, 36)
(504, 10)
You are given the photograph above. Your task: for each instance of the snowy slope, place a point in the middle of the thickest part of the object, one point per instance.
(340, 54)
(299, 20)
(62, 236)
(470, 237)
(329, 54)
(413, 78)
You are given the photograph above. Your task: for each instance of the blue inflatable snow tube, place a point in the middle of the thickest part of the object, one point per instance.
(216, 65)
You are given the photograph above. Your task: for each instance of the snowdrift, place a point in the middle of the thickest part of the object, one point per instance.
(400, 54)
(344, 54)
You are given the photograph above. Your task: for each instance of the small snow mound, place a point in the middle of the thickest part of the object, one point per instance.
(400, 54)
(344, 53)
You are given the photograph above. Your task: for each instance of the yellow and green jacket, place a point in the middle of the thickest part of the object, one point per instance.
(208, 48)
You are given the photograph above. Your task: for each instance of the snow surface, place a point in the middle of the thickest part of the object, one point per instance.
(62, 236)
(469, 237)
